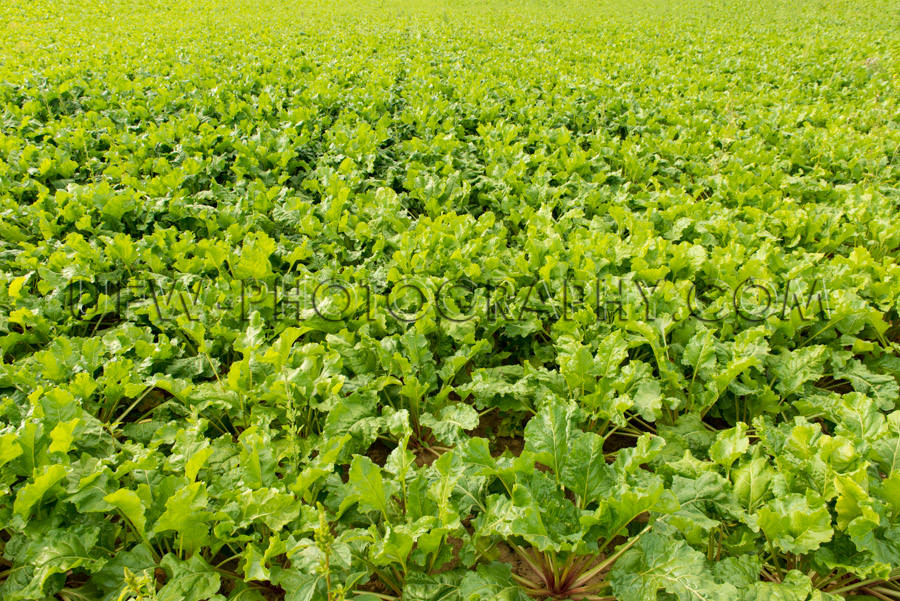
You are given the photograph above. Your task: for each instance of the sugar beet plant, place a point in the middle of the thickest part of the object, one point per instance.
(449, 301)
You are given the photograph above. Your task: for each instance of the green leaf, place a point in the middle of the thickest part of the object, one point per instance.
(449, 473)
(298, 585)
(426, 587)
(266, 505)
(729, 445)
(111, 578)
(796, 523)
(793, 368)
(659, 563)
(55, 552)
(186, 514)
(648, 399)
(62, 436)
(9, 448)
(704, 502)
(547, 435)
(752, 481)
(191, 580)
(32, 493)
(451, 422)
(700, 354)
(131, 506)
(367, 487)
(253, 260)
(256, 457)
(393, 547)
(585, 471)
(490, 582)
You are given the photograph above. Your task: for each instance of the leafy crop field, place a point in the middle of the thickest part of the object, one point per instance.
(450, 301)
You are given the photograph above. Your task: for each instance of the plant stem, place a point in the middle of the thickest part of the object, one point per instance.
(609, 560)
(825, 580)
(530, 586)
(382, 596)
(855, 585)
(875, 594)
(526, 557)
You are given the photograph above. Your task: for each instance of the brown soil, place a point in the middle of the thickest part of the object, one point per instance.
(378, 453)
(425, 456)
(508, 443)
(717, 423)
(374, 585)
(488, 427)
(838, 386)
(518, 565)
(457, 544)
(617, 442)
